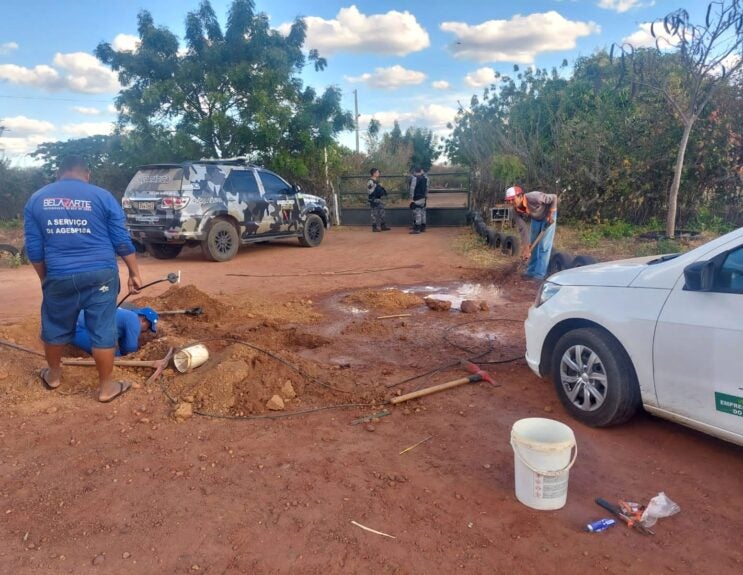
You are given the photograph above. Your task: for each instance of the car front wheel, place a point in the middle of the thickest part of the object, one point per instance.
(594, 377)
(313, 232)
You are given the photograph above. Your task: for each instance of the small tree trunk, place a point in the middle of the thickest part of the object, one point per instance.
(676, 184)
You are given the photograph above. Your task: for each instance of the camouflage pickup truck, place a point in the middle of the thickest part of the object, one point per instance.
(219, 205)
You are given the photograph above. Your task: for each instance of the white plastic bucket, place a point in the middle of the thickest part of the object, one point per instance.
(190, 357)
(544, 450)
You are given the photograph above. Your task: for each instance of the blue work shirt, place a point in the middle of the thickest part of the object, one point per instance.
(74, 227)
(128, 329)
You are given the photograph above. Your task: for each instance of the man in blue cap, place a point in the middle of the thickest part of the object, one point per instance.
(130, 324)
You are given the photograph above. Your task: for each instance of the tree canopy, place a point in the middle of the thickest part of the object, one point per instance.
(230, 92)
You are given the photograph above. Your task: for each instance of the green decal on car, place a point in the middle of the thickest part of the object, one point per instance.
(729, 403)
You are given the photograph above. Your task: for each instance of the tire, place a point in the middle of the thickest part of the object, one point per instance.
(490, 237)
(313, 231)
(221, 241)
(24, 255)
(164, 251)
(482, 229)
(584, 260)
(510, 245)
(8, 249)
(558, 261)
(139, 247)
(603, 390)
(497, 240)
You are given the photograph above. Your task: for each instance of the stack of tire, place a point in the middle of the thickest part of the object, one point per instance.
(510, 244)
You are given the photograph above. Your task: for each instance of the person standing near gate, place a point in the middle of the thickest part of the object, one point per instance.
(536, 212)
(376, 192)
(418, 197)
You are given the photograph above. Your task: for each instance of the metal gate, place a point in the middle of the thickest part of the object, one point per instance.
(448, 199)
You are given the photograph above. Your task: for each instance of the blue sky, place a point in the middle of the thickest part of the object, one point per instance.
(411, 61)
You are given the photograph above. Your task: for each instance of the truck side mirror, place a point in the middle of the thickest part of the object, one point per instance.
(699, 276)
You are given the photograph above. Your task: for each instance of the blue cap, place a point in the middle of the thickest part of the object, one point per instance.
(150, 315)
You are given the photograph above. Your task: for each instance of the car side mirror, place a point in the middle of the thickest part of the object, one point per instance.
(699, 276)
(296, 189)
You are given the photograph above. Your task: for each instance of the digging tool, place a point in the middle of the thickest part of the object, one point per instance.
(158, 364)
(189, 311)
(477, 375)
(616, 510)
(172, 277)
(538, 239)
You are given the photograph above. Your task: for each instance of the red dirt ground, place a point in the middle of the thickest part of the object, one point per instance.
(122, 488)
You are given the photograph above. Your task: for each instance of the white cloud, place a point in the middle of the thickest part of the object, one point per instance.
(620, 6)
(111, 109)
(394, 32)
(519, 39)
(432, 116)
(441, 85)
(86, 111)
(15, 147)
(480, 78)
(75, 72)
(8, 47)
(84, 129)
(21, 126)
(389, 78)
(125, 43)
(643, 38)
(86, 73)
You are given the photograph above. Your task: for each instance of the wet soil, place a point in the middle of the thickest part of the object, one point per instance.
(239, 488)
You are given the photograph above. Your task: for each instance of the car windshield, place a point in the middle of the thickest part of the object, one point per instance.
(664, 258)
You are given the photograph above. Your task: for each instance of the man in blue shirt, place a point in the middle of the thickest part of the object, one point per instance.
(74, 231)
(130, 324)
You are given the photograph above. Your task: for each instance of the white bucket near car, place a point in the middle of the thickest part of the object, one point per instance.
(190, 357)
(544, 450)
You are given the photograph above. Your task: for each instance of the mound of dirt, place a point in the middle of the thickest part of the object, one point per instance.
(387, 300)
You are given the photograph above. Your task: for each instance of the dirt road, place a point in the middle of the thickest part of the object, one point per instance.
(123, 488)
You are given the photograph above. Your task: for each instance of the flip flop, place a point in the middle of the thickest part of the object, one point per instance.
(124, 386)
(43, 372)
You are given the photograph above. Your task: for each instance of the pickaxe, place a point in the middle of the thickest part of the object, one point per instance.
(477, 375)
(189, 311)
(158, 364)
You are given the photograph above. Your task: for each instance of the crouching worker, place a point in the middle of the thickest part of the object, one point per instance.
(131, 324)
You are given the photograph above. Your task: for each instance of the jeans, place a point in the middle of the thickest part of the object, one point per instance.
(540, 255)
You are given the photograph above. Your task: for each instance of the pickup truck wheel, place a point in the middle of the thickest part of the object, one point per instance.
(594, 377)
(221, 241)
(313, 231)
(164, 251)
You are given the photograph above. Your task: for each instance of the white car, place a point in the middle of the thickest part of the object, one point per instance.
(662, 332)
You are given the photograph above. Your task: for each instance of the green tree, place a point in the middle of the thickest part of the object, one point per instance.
(707, 55)
(233, 92)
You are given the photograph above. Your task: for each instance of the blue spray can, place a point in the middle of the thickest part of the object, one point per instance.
(600, 525)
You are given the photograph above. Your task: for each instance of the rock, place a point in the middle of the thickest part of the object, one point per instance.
(370, 427)
(287, 390)
(182, 412)
(548, 409)
(51, 410)
(98, 559)
(484, 306)
(3, 374)
(275, 403)
(126, 555)
(437, 304)
(469, 306)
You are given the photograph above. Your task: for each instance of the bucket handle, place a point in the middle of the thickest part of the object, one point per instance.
(556, 473)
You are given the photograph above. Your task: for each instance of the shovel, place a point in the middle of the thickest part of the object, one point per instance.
(189, 311)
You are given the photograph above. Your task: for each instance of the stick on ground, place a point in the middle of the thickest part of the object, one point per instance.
(370, 530)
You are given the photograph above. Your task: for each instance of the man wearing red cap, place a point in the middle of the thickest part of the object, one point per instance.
(534, 212)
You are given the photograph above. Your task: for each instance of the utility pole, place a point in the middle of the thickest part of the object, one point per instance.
(356, 117)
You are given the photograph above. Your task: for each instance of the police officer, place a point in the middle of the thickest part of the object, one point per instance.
(376, 192)
(418, 196)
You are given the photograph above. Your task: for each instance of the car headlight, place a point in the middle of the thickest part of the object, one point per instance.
(545, 292)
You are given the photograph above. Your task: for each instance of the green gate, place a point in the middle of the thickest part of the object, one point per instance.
(448, 199)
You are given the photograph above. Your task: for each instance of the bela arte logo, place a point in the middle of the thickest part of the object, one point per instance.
(67, 204)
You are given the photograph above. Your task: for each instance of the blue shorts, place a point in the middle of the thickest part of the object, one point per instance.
(95, 292)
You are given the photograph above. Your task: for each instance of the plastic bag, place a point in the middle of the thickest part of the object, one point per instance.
(659, 506)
